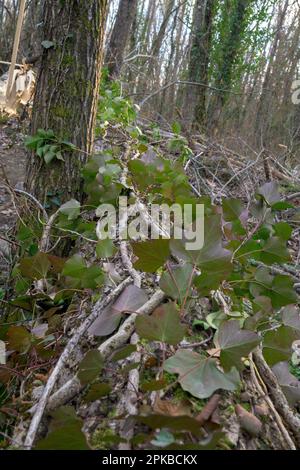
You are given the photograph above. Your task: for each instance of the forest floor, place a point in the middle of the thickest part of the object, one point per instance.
(214, 171)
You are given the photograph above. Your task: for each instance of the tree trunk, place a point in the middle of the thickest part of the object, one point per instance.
(262, 123)
(229, 52)
(67, 93)
(120, 36)
(195, 97)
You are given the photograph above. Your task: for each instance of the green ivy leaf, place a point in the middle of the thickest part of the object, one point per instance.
(199, 376)
(288, 382)
(71, 209)
(213, 260)
(283, 230)
(36, 267)
(19, 339)
(282, 206)
(270, 193)
(275, 251)
(177, 282)
(152, 254)
(74, 267)
(232, 209)
(65, 432)
(90, 367)
(48, 44)
(85, 277)
(279, 288)
(105, 248)
(123, 353)
(153, 385)
(291, 317)
(97, 391)
(234, 343)
(277, 344)
(164, 325)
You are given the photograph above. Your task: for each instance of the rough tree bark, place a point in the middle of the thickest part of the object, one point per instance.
(67, 93)
(120, 36)
(229, 52)
(262, 122)
(194, 109)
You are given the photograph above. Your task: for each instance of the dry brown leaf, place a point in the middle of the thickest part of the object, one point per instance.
(248, 421)
(169, 408)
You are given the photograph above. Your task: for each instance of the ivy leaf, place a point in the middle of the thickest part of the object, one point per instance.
(291, 317)
(200, 376)
(131, 299)
(282, 206)
(283, 230)
(71, 209)
(213, 259)
(65, 432)
(275, 251)
(153, 385)
(152, 254)
(288, 382)
(105, 248)
(270, 193)
(49, 156)
(277, 344)
(35, 267)
(123, 353)
(92, 277)
(176, 128)
(164, 325)
(85, 277)
(47, 44)
(279, 288)
(90, 367)
(32, 142)
(19, 339)
(232, 209)
(177, 281)
(97, 391)
(234, 343)
(74, 267)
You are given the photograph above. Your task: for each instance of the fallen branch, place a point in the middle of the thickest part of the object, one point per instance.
(129, 400)
(73, 342)
(71, 388)
(278, 397)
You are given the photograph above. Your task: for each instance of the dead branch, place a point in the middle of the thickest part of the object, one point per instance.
(73, 342)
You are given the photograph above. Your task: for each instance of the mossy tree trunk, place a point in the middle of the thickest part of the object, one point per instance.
(67, 93)
(237, 11)
(194, 109)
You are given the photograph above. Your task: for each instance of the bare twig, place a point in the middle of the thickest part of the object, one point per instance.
(73, 342)
(278, 398)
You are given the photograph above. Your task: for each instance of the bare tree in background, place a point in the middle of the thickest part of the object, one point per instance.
(120, 36)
